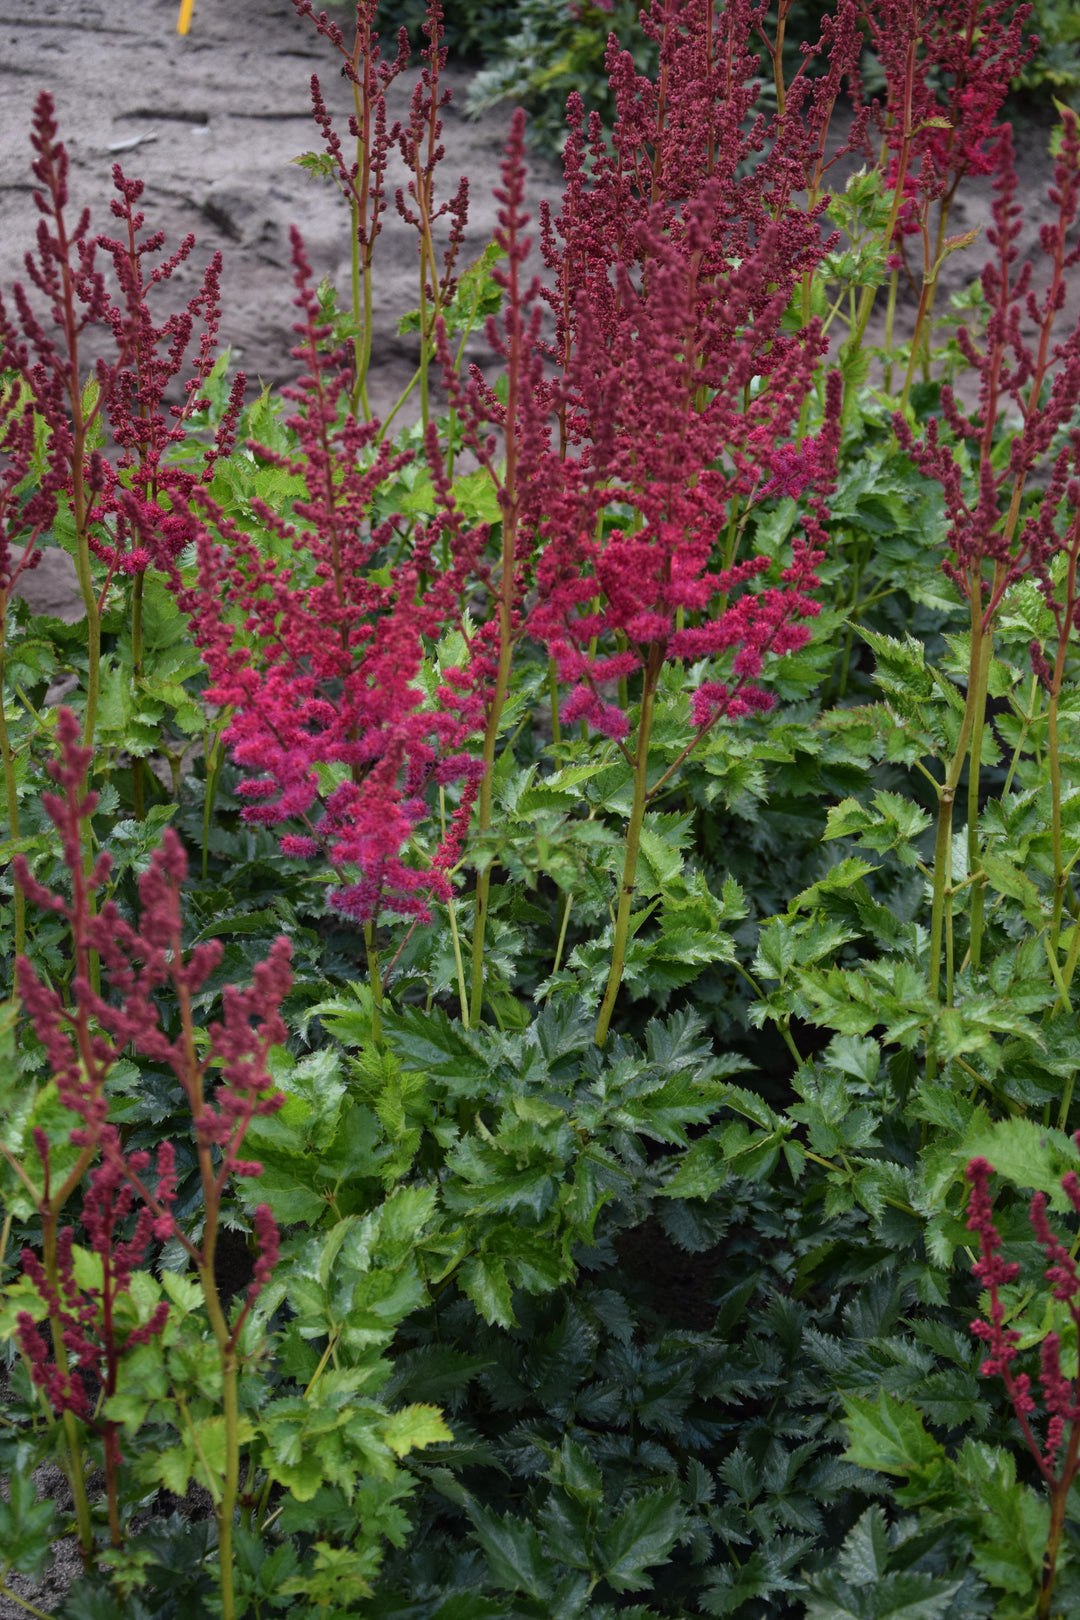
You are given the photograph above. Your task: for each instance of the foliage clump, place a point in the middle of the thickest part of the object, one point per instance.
(529, 929)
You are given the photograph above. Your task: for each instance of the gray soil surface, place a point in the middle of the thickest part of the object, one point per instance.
(210, 122)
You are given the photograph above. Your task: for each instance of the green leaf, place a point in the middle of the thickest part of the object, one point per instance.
(888, 1436)
(415, 1427)
(483, 1278)
(909, 1595)
(865, 1552)
(26, 1526)
(1029, 1155)
(1004, 878)
(1015, 1519)
(515, 1556)
(641, 1538)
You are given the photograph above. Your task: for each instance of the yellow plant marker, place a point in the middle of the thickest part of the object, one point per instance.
(184, 20)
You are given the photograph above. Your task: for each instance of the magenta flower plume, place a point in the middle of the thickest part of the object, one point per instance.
(225, 1078)
(122, 506)
(991, 542)
(85, 1036)
(317, 647)
(92, 1338)
(1060, 1394)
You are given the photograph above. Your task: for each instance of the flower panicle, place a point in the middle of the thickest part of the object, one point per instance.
(1060, 1394)
(126, 1209)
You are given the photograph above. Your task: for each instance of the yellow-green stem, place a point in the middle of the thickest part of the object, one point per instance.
(5, 1591)
(978, 892)
(565, 903)
(230, 1410)
(7, 759)
(213, 760)
(633, 844)
(978, 666)
(507, 500)
(553, 699)
(463, 994)
(483, 818)
(76, 1468)
(86, 591)
(375, 979)
(137, 765)
(861, 318)
(890, 318)
(424, 347)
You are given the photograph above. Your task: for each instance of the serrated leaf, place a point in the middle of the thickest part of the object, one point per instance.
(888, 1435)
(414, 1427)
(1029, 1155)
(640, 1539)
(515, 1557)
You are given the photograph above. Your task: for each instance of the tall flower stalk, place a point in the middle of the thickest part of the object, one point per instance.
(83, 1037)
(706, 263)
(315, 650)
(1058, 1457)
(110, 510)
(992, 539)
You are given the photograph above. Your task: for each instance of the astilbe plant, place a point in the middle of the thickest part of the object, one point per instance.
(226, 1084)
(994, 538)
(1057, 1456)
(95, 1329)
(61, 406)
(679, 394)
(948, 67)
(316, 647)
(362, 179)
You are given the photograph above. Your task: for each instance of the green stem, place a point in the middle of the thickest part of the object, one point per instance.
(213, 760)
(361, 267)
(1027, 719)
(86, 588)
(566, 899)
(553, 699)
(633, 844)
(507, 581)
(463, 994)
(865, 307)
(1062, 1003)
(978, 893)
(5, 1591)
(890, 317)
(1055, 817)
(137, 764)
(76, 1468)
(978, 669)
(483, 819)
(7, 758)
(230, 1485)
(941, 870)
(375, 979)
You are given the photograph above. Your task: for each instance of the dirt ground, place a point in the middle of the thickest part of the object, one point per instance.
(210, 122)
